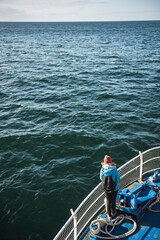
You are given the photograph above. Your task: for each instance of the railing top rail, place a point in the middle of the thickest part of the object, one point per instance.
(137, 157)
(87, 197)
(64, 226)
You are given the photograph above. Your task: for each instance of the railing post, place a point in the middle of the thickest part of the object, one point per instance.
(75, 223)
(105, 203)
(141, 165)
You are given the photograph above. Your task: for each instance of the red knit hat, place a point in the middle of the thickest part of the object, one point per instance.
(107, 160)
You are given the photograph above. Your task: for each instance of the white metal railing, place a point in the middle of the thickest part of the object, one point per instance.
(134, 169)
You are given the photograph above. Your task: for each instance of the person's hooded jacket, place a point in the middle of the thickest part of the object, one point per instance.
(110, 170)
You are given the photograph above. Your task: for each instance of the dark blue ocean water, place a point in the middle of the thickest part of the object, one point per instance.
(69, 94)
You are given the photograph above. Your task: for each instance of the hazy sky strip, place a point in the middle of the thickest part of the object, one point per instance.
(79, 10)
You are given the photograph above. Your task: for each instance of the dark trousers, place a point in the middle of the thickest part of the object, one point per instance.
(111, 202)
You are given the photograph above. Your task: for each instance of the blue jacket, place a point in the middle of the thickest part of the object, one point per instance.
(108, 170)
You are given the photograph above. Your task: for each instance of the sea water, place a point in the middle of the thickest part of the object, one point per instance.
(69, 94)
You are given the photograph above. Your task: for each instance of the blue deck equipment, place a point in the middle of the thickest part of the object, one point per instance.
(136, 198)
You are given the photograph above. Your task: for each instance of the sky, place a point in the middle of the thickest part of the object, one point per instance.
(79, 10)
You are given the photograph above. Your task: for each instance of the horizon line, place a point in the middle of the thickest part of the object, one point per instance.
(81, 21)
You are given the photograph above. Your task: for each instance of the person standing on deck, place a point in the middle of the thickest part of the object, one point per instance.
(110, 176)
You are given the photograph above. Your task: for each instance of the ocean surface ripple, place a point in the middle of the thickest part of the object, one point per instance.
(70, 93)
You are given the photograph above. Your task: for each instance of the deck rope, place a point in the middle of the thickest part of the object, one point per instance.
(113, 223)
(157, 197)
(157, 201)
